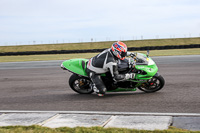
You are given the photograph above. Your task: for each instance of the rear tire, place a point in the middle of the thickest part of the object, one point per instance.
(80, 84)
(153, 85)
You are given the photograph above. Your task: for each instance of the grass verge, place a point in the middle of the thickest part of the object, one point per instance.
(39, 129)
(195, 51)
(99, 45)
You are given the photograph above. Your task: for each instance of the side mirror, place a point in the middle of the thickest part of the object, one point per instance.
(147, 53)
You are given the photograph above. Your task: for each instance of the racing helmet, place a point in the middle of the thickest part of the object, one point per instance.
(119, 49)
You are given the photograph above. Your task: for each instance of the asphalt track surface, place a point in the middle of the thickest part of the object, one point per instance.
(44, 86)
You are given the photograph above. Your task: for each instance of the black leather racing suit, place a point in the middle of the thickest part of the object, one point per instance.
(102, 63)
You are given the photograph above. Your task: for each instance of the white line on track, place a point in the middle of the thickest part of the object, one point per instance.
(104, 113)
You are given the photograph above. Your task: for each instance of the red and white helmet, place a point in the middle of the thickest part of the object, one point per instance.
(119, 49)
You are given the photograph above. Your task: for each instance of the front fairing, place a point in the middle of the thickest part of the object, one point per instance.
(146, 67)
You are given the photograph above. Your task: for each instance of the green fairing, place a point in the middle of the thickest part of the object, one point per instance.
(151, 70)
(75, 66)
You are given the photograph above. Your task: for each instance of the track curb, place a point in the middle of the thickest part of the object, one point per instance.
(104, 113)
(132, 120)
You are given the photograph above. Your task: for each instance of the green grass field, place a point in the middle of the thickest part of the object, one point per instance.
(99, 45)
(39, 129)
(195, 51)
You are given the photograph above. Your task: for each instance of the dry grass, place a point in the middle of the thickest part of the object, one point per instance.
(99, 45)
(195, 51)
(39, 129)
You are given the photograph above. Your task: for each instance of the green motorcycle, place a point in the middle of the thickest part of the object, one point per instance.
(146, 79)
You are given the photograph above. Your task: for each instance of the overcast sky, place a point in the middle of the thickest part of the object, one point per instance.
(51, 21)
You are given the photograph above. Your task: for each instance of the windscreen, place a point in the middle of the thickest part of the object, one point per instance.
(141, 59)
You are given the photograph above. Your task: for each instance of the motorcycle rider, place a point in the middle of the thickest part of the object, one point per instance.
(107, 61)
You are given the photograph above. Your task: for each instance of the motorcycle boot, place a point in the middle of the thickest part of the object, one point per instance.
(97, 91)
(95, 88)
(101, 92)
(97, 83)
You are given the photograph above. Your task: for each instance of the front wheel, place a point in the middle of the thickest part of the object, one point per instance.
(80, 84)
(153, 85)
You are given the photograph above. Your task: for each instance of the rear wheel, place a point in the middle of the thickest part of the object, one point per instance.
(80, 84)
(153, 85)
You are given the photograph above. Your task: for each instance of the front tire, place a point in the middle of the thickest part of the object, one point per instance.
(153, 85)
(80, 84)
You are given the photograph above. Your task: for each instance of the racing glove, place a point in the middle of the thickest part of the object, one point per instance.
(129, 76)
(131, 54)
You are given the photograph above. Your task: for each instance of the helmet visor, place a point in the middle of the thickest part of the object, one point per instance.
(123, 54)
